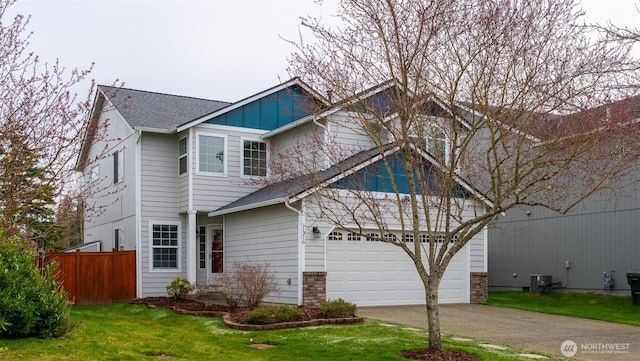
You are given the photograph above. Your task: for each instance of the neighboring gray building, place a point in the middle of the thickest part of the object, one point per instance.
(597, 241)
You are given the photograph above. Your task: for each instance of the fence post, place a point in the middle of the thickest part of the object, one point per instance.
(77, 300)
(113, 273)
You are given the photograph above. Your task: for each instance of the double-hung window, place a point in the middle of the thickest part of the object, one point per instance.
(119, 239)
(118, 167)
(182, 155)
(254, 158)
(165, 241)
(211, 154)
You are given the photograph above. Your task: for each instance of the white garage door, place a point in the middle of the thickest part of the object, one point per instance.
(377, 273)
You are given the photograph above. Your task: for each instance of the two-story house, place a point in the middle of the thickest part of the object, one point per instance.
(183, 181)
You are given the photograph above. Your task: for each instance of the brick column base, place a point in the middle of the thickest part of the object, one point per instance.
(314, 288)
(479, 287)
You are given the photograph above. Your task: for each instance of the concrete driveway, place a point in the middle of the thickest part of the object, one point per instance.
(529, 330)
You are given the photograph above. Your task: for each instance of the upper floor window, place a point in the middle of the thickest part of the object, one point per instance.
(182, 155)
(254, 158)
(118, 167)
(436, 143)
(211, 154)
(433, 138)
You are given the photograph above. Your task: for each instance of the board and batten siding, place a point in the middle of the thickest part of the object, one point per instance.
(159, 203)
(267, 234)
(598, 236)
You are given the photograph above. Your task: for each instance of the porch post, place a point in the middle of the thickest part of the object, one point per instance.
(191, 246)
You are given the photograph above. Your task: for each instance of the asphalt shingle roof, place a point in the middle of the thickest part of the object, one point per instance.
(143, 109)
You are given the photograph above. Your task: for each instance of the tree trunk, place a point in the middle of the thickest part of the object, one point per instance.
(433, 318)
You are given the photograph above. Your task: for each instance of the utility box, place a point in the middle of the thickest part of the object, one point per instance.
(540, 283)
(633, 278)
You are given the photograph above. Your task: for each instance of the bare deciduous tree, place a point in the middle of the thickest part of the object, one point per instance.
(40, 131)
(487, 105)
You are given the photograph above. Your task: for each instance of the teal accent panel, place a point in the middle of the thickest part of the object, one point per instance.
(269, 112)
(376, 178)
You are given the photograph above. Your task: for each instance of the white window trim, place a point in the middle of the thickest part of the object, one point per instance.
(179, 247)
(242, 140)
(225, 152)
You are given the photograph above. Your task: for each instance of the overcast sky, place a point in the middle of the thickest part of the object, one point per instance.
(214, 49)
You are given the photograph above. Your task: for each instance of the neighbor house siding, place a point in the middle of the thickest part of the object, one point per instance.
(160, 199)
(268, 234)
(598, 236)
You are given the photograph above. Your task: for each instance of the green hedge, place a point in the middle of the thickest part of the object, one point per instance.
(30, 306)
(273, 314)
(338, 308)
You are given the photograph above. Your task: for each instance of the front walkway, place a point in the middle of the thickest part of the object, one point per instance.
(529, 330)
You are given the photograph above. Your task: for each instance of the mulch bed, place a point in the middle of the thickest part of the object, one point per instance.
(183, 306)
(234, 318)
(439, 355)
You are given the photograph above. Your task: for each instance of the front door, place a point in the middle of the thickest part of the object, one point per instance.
(215, 245)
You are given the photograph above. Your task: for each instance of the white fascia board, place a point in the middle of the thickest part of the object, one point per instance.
(249, 206)
(156, 130)
(299, 122)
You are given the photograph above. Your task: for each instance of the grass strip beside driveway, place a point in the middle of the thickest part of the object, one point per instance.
(617, 309)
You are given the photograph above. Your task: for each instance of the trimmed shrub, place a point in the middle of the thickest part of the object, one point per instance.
(30, 304)
(248, 284)
(273, 314)
(179, 287)
(338, 308)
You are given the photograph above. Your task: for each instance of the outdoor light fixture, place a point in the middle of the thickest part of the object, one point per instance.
(316, 232)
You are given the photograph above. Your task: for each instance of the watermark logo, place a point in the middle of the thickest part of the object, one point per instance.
(569, 348)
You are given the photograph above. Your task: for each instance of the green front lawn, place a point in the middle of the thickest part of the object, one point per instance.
(135, 332)
(618, 309)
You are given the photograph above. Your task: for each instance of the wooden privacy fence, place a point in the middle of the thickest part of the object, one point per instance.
(94, 278)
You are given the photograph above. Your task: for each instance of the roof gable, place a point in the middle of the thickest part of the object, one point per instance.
(267, 110)
(376, 178)
(337, 176)
(271, 111)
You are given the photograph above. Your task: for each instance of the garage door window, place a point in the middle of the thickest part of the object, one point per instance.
(373, 237)
(354, 237)
(335, 236)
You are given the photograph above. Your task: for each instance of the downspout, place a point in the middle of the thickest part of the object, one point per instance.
(138, 206)
(325, 141)
(301, 248)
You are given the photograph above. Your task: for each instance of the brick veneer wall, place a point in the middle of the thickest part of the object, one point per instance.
(314, 288)
(479, 287)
